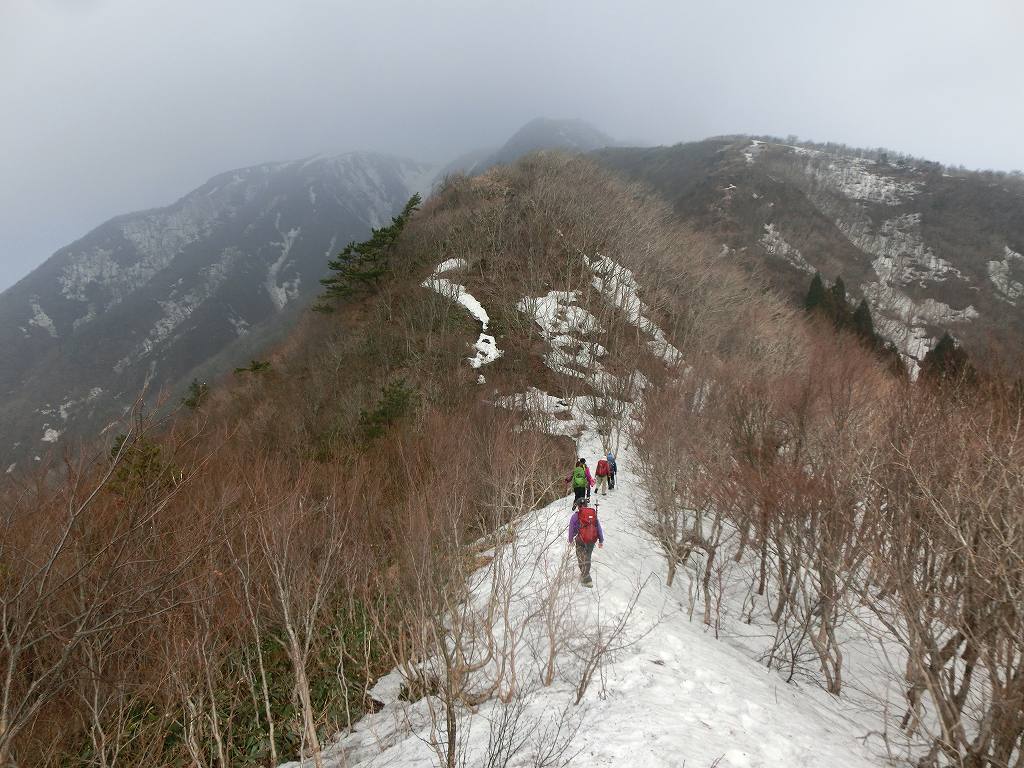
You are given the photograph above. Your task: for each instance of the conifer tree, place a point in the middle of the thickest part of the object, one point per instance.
(838, 308)
(946, 362)
(863, 325)
(361, 265)
(839, 290)
(197, 394)
(815, 294)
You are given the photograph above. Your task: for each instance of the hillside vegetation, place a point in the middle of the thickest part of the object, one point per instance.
(226, 588)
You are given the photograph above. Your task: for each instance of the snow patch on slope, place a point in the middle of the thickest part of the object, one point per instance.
(565, 325)
(176, 310)
(619, 285)
(542, 412)
(902, 259)
(486, 347)
(775, 245)
(901, 254)
(851, 177)
(158, 238)
(64, 409)
(42, 320)
(1008, 289)
(750, 153)
(239, 324)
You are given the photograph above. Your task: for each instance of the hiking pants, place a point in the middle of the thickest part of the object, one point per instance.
(581, 493)
(611, 480)
(602, 480)
(583, 554)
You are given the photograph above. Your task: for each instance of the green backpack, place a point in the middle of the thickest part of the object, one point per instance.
(579, 477)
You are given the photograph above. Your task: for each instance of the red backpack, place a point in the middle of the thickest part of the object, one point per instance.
(602, 468)
(588, 525)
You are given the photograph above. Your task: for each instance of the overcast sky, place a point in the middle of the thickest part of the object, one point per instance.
(109, 106)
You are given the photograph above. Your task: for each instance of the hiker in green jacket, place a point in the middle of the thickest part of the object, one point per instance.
(581, 481)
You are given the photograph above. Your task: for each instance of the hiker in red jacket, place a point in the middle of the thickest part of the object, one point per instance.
(585, 531)
(604, 473)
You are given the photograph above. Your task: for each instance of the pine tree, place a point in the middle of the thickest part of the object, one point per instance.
(254, 366)
(838, 308)
(839, 290)
(815, 294)
(361, 265)
(396, 400)
(197, 394)
(863, 325)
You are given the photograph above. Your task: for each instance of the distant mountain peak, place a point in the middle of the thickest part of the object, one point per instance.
(549, 133)
(570, 135)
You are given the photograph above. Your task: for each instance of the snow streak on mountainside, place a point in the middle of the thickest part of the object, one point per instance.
(152, 297)
(999, 273)
(775, 245)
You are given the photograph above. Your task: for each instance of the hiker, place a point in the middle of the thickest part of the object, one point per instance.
(581, 481)
(612, 469)
(590, 478)
(603, 472)
(585, 531)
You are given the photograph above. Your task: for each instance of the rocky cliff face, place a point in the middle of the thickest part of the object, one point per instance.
(151, 297)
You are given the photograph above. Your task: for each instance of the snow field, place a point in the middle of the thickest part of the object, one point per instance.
(564, 324)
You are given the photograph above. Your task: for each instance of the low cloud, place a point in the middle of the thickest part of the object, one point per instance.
(117, 105)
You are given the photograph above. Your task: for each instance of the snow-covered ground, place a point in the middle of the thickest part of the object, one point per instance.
(42, 320)
(750, 153)
(900, 256)
(667, 694)
(568, 328)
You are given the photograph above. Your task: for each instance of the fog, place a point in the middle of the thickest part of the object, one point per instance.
(110, 106)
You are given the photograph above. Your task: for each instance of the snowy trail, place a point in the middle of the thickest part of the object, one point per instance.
(677, 694)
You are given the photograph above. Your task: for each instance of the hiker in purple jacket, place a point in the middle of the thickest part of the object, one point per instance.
(585, 531)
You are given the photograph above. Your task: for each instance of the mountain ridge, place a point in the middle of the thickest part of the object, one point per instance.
(931, 250)
(149, 296)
